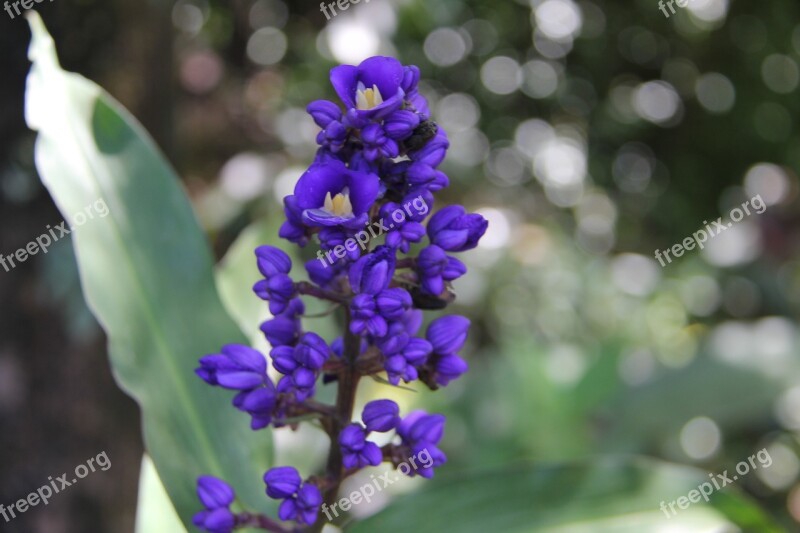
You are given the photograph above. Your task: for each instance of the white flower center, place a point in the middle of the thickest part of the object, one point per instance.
(367, 98)
(339, 205)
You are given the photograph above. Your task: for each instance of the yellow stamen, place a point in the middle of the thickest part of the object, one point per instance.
(338, 205)
(368, 98)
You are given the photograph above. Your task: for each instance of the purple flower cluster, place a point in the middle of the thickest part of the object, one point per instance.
(379, 152)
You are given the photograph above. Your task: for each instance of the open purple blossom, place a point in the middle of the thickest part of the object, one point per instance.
(330, 194)
(373, 89)
(377, 166)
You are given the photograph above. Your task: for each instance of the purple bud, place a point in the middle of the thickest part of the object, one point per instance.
(283, 359)
(312, 351)
(393, 303)
(431, 263)
(237, 367)
(449, 367)
(303, 378)
(322, 274)
(381, 415)
(372, 273)
(434, 151)
(288, 509)
(420, 174)
(272, 261)
(309, 498)
(356, 450)
(282, 481)
(216, 521)
(429, 428)
(401, 124)
(454, 231)
(447, 334)
(281, 331)
(454, 269)
(417, 351)
(214, 493)
(410, 78)
(324, 112)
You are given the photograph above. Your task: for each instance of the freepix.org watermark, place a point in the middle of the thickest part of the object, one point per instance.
(671, 5)
(45, 240)
(54, 486)
(343, 5)
(26, 5)
(718, 481)
(700, 237)
(368, 490)
(363, 237)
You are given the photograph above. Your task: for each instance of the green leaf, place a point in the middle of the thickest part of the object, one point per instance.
(146, 273)
(612, 495)
(155, 513)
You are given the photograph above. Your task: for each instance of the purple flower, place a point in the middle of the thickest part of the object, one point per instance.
(324, 112)
(214, 492)
(357, 451)
(402, 237)
(300, 364)
(293, 229)
(301, 501)
(373, 89)
(378, 158)
(238, 367)
(259, 403)
(453, 230)
(304, 507)
(216, 521)
(420, 433)
(277, 287)
(330, 238)
(330, 194)
(277, 290)
(333, 137)
(282, 482)
(435, 267)
(405, 362)
(325, 274)
(381, 416)
(424, 175)
(400, 124)
(447, 336)
(377, 144)
(403, 233)
(216, 496)
(365, 316)
(272, 261)
(281, 331)
(434, 151)
(372, 273)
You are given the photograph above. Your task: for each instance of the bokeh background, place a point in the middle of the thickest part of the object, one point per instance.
(590, 133)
